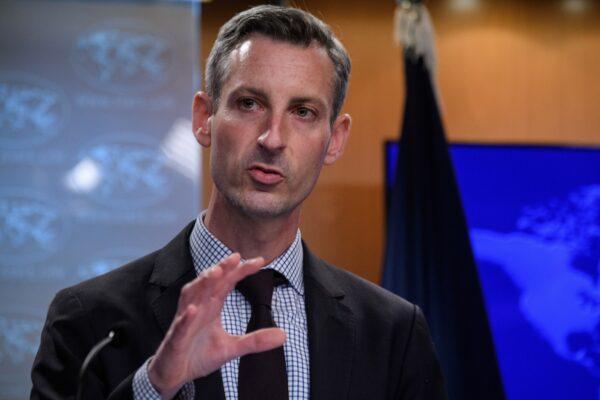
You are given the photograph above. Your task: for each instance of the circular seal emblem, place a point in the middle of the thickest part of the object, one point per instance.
(126, 171)
(122, 56)
(32, 110)
(20, 330)
(19, 338)
(31, 228)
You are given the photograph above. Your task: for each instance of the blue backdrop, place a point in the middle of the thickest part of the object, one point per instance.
(534, 220)
(98, 164)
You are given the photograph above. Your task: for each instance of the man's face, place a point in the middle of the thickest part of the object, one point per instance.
(271, 133)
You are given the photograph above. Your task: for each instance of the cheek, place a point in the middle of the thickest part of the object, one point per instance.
(310, 159)
(319, 150)
(224, 142)
(229, 147)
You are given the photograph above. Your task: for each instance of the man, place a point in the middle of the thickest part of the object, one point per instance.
(276, 80)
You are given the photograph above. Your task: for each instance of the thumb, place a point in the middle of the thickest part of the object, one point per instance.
(258, 341)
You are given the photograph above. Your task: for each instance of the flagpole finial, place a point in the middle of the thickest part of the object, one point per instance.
(413, 30)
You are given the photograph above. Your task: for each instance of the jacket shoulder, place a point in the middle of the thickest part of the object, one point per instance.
(368, 291)
(366, 299)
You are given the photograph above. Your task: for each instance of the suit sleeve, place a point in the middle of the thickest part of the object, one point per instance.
(66, 339)
(421, 372)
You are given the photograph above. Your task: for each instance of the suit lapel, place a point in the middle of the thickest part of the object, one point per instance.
(172, 270)
(331, 324)
(331, 331)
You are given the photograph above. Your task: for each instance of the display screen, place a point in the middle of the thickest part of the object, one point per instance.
(534, 220)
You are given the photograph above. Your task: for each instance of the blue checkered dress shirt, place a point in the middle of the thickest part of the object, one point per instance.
(288, 311)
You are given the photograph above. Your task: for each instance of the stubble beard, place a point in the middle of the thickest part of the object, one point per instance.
(252, 203)
(255, 208)
(249, 201)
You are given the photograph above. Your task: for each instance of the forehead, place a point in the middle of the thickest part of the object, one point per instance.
(281, 67)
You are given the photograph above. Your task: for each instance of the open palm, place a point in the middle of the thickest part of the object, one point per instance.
(196, 343)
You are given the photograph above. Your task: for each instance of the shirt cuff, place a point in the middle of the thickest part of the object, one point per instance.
(143, 389)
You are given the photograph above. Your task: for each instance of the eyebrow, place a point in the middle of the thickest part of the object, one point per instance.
(301, 100)
(254, 91)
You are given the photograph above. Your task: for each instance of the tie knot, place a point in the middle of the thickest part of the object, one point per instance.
(258, 288)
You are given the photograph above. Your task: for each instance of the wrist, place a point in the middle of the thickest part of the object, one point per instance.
(167, 390)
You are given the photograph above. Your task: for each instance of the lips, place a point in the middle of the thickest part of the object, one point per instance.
(265, 175)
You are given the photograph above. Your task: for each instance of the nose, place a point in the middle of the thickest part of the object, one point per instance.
(273, 137)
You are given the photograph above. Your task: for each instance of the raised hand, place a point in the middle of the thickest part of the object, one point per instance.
(196, 343)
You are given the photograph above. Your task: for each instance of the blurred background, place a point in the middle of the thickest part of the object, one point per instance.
(98, 165)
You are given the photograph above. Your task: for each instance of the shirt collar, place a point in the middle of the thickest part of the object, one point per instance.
(207, 250)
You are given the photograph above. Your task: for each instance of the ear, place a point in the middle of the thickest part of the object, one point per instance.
(339, 136)
(201, 112)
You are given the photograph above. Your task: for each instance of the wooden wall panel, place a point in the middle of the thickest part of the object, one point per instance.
(508, 70)
(515, 71)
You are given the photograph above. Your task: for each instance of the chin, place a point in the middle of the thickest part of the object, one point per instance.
(263, 205)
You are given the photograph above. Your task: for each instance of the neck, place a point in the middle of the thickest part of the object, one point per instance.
(251, 236)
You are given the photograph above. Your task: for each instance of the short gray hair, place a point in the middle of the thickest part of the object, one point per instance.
(284, 24)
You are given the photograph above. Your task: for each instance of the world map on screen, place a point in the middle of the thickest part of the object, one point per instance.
(534, 218)
(533, 214)
(559, 295)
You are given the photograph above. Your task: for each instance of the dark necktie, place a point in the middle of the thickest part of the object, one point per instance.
(262, 375)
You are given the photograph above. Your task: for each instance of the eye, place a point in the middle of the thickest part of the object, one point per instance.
(248, 104)
(305, 113)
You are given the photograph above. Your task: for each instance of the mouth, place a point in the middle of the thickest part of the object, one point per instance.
(265, 175)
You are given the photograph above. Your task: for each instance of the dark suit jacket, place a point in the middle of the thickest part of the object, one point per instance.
(364, 342)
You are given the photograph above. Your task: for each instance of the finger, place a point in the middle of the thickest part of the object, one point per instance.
(223, 267)
(221, 278)
(204, 285)
(242, 270)
(218, 281)
(239, 270)
(246, 268)
(228, 267)
(257, 342)
(229, 263)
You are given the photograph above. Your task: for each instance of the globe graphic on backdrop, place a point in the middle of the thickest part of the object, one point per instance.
(32, 110)
(552, 257)
(122, 56)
